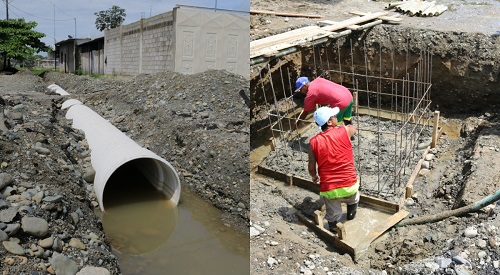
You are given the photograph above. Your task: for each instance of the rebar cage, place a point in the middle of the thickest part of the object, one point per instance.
(391, 112)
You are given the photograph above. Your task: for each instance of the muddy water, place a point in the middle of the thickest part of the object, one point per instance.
(149, 235)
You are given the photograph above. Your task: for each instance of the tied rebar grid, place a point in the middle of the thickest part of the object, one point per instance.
(394, 124)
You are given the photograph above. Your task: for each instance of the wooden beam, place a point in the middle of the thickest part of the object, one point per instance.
(306, 184)
(379, 230)
(327, 235)
(435, 130)
(373, 202)
(379, 204)
(285, 14)
(353, 21)
(271, 173)
(385, 18)
(318, 218)
(413, 176)
(341, 231)
(365, 26)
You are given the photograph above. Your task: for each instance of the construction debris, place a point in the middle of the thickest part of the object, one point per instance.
(418, 8)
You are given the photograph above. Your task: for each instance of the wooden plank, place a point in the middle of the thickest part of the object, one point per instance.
(377, 231)
(341, 231)
(283, 40)
(354, 21)
(318, 218)
(413, 176)
(291, 42)
(435, 130)
(327, 235)
(285, 14)
(271, 173)
(373, 202)
(379, 204)
(289, 39)
(260, 43)
(385, 18)
(365, 26)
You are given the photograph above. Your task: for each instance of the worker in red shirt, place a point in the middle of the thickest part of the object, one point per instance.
(331, 150)
(325, 92)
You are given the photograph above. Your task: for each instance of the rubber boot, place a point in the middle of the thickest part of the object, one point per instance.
(351, 211)
(333, 227)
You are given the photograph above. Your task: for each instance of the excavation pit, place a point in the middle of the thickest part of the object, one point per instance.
(465, 90)
(395, 123)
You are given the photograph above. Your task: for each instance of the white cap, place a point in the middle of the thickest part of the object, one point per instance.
(323, 114)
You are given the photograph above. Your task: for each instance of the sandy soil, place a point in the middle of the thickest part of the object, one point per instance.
(468, 244)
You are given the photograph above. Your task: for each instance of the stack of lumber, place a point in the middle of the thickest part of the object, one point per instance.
(418, 8)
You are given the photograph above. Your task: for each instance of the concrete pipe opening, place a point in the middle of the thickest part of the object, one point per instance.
(112, 151)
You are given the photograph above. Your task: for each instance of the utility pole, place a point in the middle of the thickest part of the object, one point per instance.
(75, 27)
(7, 9)
(55, 41)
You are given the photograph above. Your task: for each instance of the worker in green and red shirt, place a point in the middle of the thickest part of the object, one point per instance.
(331, 150)
(325, 92)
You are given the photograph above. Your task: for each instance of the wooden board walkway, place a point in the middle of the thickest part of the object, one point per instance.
(272, 45)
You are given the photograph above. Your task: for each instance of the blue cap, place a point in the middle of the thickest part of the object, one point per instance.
(301, 81)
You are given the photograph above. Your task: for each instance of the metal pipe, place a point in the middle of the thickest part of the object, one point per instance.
(111, 149)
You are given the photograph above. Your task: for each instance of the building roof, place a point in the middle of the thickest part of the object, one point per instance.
(99, 39)
(76, 41)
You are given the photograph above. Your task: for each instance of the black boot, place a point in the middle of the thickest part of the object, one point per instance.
(351, 211)
(333, 227)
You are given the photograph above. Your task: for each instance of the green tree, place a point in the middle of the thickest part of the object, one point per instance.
(110, 18)
(18, 41)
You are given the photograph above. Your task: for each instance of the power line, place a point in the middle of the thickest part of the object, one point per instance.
(38, 16)
(59, 8)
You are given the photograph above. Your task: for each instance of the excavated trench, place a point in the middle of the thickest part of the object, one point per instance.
(464, 71)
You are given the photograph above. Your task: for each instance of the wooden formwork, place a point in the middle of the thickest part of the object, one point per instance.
(339, 241)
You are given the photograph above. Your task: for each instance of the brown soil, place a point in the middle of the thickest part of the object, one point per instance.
(461, 172)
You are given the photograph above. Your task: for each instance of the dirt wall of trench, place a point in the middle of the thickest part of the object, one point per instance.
(465, 66)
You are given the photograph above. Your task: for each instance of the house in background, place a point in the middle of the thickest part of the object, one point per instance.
(92, 56)
(187, 40)
(69, 54)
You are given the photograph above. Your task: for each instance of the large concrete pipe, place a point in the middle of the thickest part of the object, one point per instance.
(111, 148)
(58, 90)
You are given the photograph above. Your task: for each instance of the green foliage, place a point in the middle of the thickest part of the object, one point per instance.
(18, 41)
(31, 61)
(38, 72)
(110, 18)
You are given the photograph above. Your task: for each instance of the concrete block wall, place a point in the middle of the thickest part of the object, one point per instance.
(144, 46)
(157, 46)
(207, 40)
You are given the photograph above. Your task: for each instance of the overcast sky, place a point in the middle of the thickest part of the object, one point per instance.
(42, 12)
